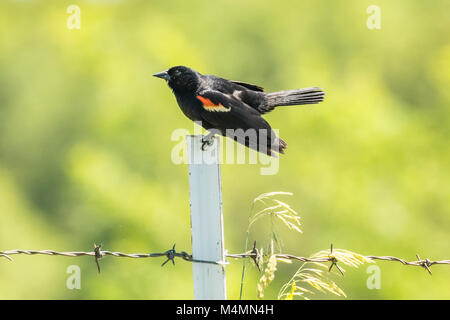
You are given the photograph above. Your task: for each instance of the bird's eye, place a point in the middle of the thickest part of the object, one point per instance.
(177, 72)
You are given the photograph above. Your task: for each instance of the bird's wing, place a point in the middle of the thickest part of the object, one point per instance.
(225, 111)
(228, 112)
(249, 86)
(229, 86)
(249, 94)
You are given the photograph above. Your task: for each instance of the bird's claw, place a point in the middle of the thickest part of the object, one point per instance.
(207, 141)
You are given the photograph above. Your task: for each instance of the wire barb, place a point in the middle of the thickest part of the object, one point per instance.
(256, 256)
(170, 254)
(334, 261)
(98, 255)
(6, 256)
(425, 263)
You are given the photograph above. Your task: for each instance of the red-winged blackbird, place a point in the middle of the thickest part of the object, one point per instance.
(234, 108)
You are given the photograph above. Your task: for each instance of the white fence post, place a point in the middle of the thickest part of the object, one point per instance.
(206, 219)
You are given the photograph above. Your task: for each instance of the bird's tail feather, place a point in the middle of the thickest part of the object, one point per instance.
(266, 142)
(294, 97)
(279, 145)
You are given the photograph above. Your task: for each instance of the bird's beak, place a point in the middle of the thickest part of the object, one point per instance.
(163, 75)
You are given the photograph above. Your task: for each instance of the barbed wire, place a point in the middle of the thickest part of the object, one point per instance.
(254, 254)
(170, 254)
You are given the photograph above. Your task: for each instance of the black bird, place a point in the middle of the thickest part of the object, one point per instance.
(233, 108)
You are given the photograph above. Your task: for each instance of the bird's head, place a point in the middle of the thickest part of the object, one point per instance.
(180, 78)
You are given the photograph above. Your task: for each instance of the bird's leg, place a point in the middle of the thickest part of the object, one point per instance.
(207, 140)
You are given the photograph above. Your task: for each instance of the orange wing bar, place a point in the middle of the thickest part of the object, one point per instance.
(208, 105)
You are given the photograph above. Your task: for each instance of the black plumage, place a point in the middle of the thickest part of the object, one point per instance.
(234, 108)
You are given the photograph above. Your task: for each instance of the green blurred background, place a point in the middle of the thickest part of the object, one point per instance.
(85, 148)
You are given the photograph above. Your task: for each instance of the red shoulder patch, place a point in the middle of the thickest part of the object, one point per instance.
(208, 105)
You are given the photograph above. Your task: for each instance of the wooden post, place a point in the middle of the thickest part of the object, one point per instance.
(206, 219)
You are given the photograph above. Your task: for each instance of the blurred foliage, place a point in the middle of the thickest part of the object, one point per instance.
(85, 149)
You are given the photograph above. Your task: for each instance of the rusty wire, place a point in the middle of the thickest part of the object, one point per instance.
(171, 254)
